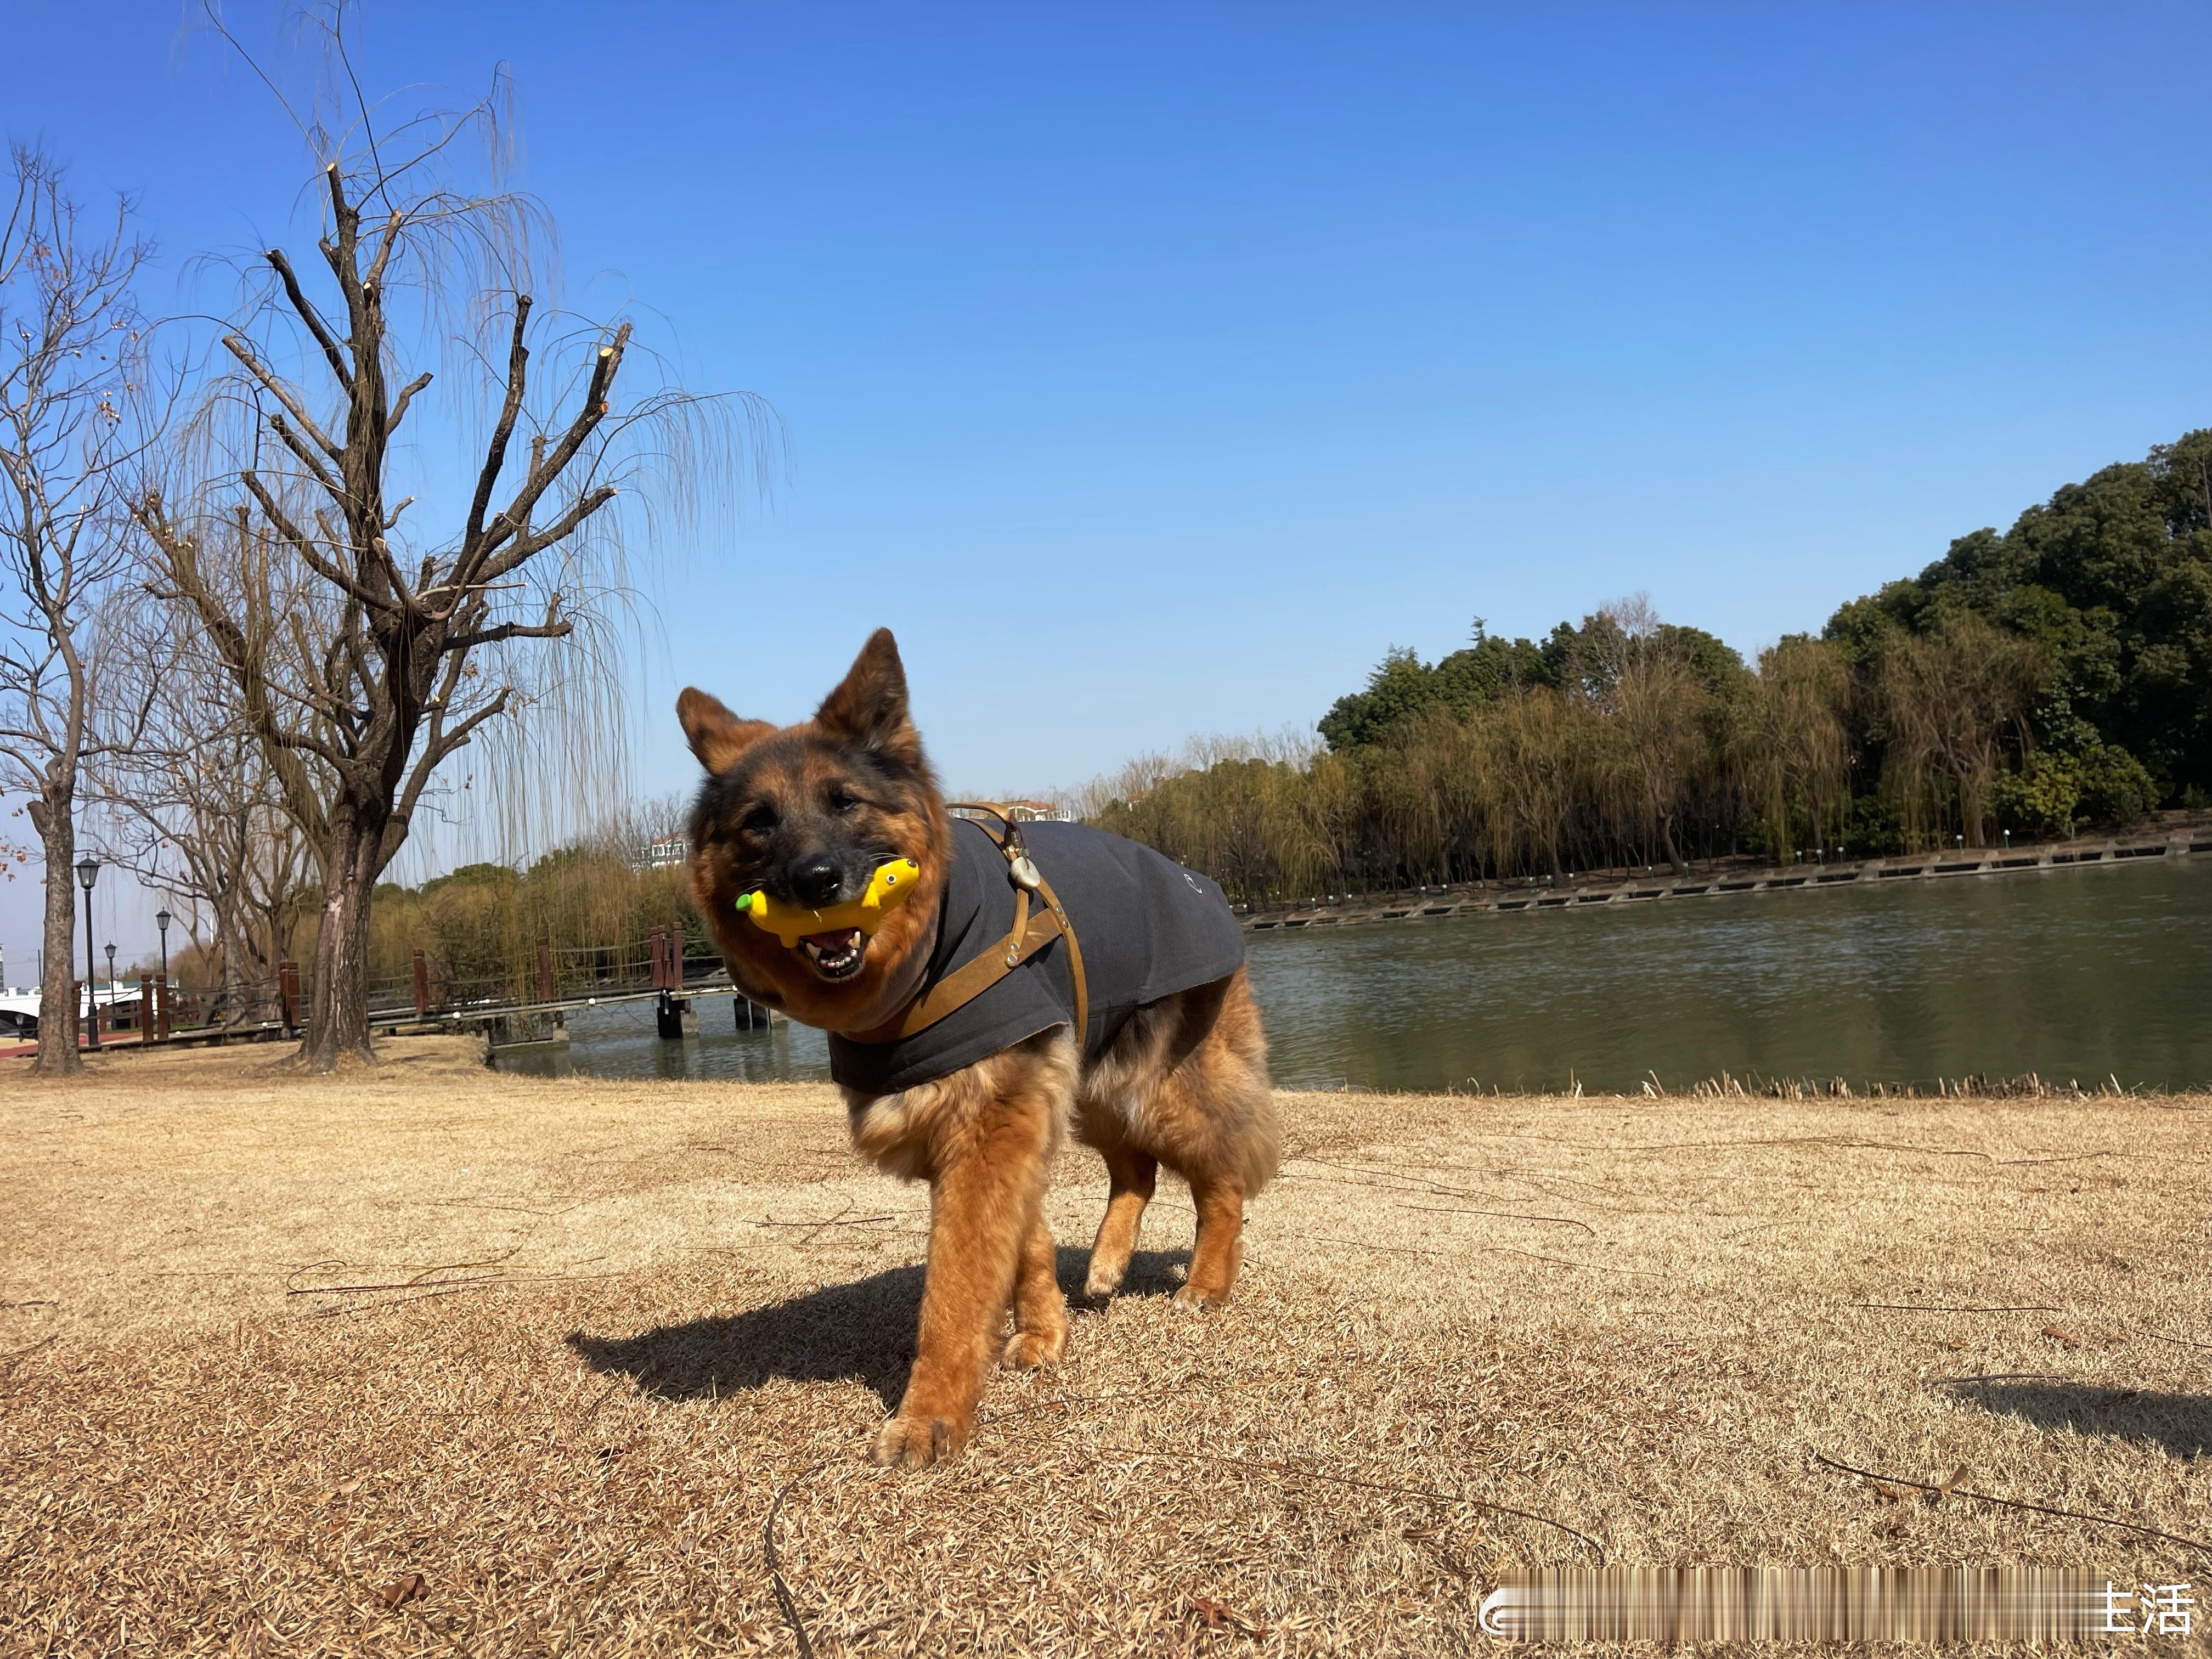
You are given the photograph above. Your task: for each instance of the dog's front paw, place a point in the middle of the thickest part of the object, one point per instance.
(914, 1442)
(1027, 1350)
(1104, 1280)
(1193, 1298)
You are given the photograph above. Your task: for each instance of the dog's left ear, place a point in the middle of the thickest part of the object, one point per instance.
(869, 708)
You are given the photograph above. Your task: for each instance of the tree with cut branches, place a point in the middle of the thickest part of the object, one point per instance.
(362, 656)
(74, 424)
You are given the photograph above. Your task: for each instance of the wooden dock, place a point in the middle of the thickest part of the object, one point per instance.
(1477, 900)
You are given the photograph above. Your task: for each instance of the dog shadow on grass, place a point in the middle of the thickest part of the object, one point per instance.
(863, 1330)
(2181, 1423)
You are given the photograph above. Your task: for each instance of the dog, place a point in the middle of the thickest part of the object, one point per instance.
(804, 814)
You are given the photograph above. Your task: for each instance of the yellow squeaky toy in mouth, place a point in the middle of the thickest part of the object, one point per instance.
(836, 940)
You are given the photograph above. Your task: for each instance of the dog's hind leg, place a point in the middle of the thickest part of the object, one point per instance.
(1212, 1122)
(1040, 1311)
(1219, 1250)
(1130, 1175)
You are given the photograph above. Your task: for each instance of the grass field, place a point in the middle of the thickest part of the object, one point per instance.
(430, 1360)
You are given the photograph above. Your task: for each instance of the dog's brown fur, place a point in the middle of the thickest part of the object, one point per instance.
(1184, 1084)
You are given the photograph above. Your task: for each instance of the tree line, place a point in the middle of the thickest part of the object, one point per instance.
(591, 901)
(279, 590)
(2034, 682)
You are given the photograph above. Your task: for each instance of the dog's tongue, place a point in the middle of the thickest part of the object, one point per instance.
(836, 941)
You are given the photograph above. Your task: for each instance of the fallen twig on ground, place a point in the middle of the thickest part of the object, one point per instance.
(776, 1570)
(1930, 1307)
(8, 1361)
(362, 1309)
(2015, 1503)
(1508, 1215)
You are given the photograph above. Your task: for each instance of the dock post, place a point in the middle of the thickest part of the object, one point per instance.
(165, 1022)
(422, 985)
(544, 970)
(675, 1018)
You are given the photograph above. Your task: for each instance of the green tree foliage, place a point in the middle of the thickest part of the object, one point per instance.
(1402, 685)
(2053, 675)
(2112, 580)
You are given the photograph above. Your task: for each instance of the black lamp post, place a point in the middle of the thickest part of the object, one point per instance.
(88, 872)
(162, 922)
(110, 970)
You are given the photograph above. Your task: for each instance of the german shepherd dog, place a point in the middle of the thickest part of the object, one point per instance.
(806, 813)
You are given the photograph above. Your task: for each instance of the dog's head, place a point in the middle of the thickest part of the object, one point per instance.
(804, 813)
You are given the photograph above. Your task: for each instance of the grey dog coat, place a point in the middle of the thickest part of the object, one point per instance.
(1147, 927)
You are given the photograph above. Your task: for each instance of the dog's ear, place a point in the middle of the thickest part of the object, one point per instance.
(717, 737)
(869, 708)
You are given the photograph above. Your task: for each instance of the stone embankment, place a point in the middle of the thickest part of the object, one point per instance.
(1471, 900)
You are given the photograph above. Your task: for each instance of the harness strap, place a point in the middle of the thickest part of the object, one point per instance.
(1030, 933)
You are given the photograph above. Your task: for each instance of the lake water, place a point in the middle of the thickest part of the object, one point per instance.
(2069, 974)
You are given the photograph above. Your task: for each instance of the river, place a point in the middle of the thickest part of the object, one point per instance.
(2088, 973)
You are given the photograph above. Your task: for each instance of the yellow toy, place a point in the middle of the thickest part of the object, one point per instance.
(888, 889)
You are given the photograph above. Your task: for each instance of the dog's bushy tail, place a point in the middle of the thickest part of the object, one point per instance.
(1239, 1096)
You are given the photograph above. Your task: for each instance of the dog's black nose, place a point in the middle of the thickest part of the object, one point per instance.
(815, 881)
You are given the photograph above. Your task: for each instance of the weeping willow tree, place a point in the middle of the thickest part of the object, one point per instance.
(366, 640)
(1955, 700)
(1792, 746)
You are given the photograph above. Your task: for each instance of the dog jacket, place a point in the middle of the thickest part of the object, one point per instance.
(1145, 927)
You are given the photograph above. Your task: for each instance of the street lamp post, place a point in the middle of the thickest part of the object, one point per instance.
(161, 921)
(88, 872)
(110, 970)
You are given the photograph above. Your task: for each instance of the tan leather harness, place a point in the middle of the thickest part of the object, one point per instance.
(1030, 933)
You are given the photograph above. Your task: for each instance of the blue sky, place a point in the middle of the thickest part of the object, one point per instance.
(1151, 369)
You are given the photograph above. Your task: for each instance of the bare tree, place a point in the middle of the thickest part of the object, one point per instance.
(73, 426)
(415, 646)
(195, 813)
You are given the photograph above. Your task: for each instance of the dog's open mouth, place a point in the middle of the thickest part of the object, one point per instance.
(834, 955)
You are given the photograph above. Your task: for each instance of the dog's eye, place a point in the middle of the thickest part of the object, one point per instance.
(841, 803)
(760, 821)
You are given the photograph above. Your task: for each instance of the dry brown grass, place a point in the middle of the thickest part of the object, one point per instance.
(623, 1318)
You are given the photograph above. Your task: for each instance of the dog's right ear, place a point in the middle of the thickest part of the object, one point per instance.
(716, 736)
